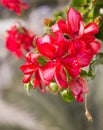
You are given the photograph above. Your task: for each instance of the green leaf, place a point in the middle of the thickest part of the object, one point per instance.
(67, 96)
(79, 3)
(83, 73)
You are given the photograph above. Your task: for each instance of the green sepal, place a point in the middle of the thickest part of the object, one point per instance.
(27, 86)
(83, 73)
(67, 96)
(41, 60)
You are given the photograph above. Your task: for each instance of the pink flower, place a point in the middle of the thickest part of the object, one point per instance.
(78, 87)
(19, 39)
(15, 5)
(84, 44)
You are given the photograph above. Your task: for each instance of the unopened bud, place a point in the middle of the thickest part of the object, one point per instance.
(47, 21)
(53, 87)
(97, 20)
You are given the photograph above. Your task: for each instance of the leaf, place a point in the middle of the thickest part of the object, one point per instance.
(79, 3)
(67, 96)
(83, 73)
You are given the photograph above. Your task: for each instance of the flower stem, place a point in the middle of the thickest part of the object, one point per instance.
(87, 114)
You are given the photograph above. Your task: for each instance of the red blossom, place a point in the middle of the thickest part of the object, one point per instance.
(78, 87)
(55, 48)
(32, 69)
(84, 44)
(52, 47)
(19, 39)
(70, 46)
(15, 5)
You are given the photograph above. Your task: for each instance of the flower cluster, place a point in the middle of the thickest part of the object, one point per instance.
(19, 39)
(15, 5)
(68, 48)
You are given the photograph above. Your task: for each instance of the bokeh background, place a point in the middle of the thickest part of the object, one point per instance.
(35, 111)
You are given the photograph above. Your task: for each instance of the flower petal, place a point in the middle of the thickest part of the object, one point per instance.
(28, 68)
(84, 58)
(55, 28)
(47, 72)
(70, 62)
(60, 77)
(32, 57)
(73, 18)
(83, 83)
(47, 50)
(37, 82)
(81, 30)
(91, 29)
(26, 78)
(78, 87)
(63, 26)
(95, 46)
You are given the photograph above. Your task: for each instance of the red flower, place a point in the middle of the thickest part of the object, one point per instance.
(78, 87)
(55, 48)
(32, 67)
(52, 47)
(19, 39)
(83, 42)
(15, 5)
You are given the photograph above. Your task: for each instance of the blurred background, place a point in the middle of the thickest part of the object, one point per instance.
(20, 111)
